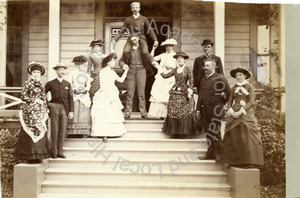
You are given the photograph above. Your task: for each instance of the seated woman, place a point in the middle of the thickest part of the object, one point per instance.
(80, 82)
(161, 86)
(242, 145)
(107, 116)
(32, 144)
(179, 122)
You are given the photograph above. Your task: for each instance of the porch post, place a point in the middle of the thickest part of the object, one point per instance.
(219, 26)
(282, 46)
(54, 36)
(3, 39)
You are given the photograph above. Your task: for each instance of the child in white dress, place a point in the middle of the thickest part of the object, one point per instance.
(107, 116)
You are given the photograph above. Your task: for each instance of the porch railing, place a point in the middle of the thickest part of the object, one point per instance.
(7, 101)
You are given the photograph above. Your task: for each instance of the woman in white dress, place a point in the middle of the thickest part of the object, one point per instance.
(80, 81)
(107, 116)
(161, 86)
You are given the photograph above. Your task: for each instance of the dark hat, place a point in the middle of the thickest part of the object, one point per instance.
(35, 66)
(207, 42)
(79, 59)
(97, 42)
(184, 55)
(108, 58)
(60, 65)
(242, 70)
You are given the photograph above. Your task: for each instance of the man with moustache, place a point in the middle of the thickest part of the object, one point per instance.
(213, 92)
(137, 25)
(61, 109)
(198, 70)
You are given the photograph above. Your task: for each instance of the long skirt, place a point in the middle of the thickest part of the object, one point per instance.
(242, 143)
(81, 123)
(179, 120)
(28, 150)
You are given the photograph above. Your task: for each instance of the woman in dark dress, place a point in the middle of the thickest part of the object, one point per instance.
(32, 143)
(95, 58)
(242, 145)
(179, 121)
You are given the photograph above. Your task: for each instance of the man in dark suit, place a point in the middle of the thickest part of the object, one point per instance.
(61, 109)
(198, 70)
(137, 76)
(213, 94)
(137, 25)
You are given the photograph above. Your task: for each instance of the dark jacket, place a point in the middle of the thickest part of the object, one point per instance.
(147, 60)
(198, 70)
(61, 92)
(139, 26)
(211, 100)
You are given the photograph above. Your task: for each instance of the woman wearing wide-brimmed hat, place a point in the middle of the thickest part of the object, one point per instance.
(95, 58)
(179, 121)
(161, 86)
(242, 145)
(80, 82)
(32, 144)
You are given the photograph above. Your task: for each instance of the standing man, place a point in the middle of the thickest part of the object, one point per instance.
(137, 25)
(61, 109)
(136, 76)
(213, 94)
(198, 70)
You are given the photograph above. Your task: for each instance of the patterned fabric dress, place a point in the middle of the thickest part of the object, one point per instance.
(81, 123)
(180, 108)
(95, 65)
(242, 143)
(33, 143)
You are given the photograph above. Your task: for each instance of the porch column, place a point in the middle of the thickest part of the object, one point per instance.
(3, 38)
(54, 36)
(219, 25)
(281, 17)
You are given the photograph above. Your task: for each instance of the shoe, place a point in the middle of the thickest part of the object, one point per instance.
(127, 117)
(61, 156)
(104, 139)
(54, 156)
(206, 157)
(144, 116)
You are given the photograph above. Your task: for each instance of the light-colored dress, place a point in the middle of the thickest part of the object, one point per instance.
(161, 86)
(107, 116)
(81, 123)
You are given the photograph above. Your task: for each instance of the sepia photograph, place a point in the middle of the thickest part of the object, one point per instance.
(143, 99)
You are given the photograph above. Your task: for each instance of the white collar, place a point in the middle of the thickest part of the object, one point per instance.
(210, 75)
(136, 16)
(180, 69)
(135, 47)
(60, 79)
(242, 83)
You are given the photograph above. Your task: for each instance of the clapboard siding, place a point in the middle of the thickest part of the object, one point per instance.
(77, 29)
(237, 37)
(197, 24)
(38, 40)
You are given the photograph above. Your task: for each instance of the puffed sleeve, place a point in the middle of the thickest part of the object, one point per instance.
(230, 100)
(190, 78)
(251, 98)
(25, 93)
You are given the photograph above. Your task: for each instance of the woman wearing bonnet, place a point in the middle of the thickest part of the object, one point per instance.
(242, 145)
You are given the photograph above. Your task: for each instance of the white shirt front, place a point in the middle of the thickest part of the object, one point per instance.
(136, 16)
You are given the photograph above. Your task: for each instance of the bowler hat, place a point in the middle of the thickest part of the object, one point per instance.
(60, 65)
(79, 59)
(184, 55)
(169, 42)
(35, 66)
(97, 42)
(242, 70)
(207, 42)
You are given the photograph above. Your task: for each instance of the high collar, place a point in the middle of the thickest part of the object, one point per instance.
(242, 83)
(134, 47)
(207, 76)
(180, 69)
(136, 16)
